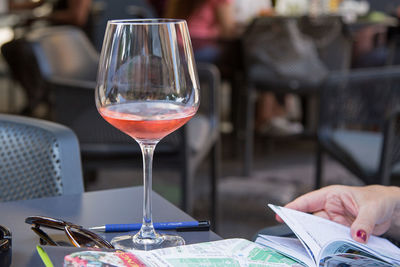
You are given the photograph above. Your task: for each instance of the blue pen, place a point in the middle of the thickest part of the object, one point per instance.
(178, 226)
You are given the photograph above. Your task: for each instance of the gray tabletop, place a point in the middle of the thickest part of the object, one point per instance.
(89, 209)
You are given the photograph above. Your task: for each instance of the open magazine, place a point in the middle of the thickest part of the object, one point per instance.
(321, 242)
(229, 252)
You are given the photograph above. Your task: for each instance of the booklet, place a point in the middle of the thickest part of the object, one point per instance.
(229, 252)
(321, 242)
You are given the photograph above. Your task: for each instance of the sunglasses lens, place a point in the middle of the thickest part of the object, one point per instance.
(84, 238)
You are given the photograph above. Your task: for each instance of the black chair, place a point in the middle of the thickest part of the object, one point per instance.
(18, 62)
(67, 64)
(331, 38)
(358, 124)
(274, 63)
(37, 159)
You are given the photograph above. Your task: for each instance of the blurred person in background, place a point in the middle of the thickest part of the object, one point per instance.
(276, 115)
(72, 12)
(209, 22)
(370, 47)
(213, 30)
(214, 27)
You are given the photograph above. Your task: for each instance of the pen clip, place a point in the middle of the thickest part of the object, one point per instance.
(202, 226)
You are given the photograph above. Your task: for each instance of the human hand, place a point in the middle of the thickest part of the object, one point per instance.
(367, 210)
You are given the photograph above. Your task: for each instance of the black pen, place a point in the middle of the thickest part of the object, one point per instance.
(178, 226)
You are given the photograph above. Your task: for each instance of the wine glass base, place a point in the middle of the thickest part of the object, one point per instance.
(135, 242)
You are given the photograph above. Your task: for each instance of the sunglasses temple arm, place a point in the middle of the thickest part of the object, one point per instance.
(44, 236)
(71, 237)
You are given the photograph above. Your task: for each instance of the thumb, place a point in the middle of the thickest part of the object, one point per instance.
(364, 224)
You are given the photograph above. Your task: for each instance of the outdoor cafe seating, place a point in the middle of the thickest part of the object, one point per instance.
(74, 173)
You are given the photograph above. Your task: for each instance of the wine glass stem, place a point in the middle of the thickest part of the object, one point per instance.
(147, 231)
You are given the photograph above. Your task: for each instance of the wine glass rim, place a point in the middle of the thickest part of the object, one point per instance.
(146, 21)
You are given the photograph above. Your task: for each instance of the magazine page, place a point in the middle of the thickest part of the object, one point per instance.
(318, 232)
(288, 246)
(353, 247)
(230, 252)
(312, 246)
(349, 253)
(351, 260)
(336, 254)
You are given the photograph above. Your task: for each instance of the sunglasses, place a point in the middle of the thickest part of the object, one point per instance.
(77, 235)
(5, 246)
(5, 239)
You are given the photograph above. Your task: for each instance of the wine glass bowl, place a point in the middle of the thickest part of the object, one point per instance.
(147, 87)
(147, 122)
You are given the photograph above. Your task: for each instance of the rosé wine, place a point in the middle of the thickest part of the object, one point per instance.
(147, 121)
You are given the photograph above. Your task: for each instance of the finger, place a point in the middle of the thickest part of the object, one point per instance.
(279, 219)
(310, 202)
(322, 214)
(339, 218)
(380, 229)
(364, 224)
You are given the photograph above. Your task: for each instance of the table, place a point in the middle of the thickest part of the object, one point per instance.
(88, 209)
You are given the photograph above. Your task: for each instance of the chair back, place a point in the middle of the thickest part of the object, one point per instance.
(24, 69)
(361, 97)
(63, 51)
(37, 159)
(331, 38)
(44, 53)
(364, 100)
(292, 53)
(281, 54)
(67, 63)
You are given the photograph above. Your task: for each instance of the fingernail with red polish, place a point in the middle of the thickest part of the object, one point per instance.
(362, 234)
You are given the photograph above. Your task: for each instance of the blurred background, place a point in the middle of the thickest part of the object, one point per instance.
(305, 93)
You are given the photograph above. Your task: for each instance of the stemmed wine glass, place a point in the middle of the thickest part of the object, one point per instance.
(147, 87)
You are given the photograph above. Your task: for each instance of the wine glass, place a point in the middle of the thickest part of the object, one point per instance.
(147, 87)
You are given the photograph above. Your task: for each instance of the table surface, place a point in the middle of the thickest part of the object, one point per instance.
(88, 209)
